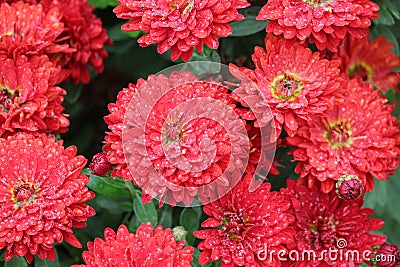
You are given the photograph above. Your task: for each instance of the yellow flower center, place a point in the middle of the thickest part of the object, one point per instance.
(339, 135)
(23, 194)
(286, 87)
(172, 132)
(234, 225)
(362, 69)
(317, 3)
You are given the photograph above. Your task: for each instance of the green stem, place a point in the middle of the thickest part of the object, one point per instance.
(131, 189)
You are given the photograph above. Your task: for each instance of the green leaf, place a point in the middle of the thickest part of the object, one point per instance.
(249, 25)
(16, 262)
(390, 5)
(144, 212)
(190, 219)
(207, 54)
(103, 3)
(134, 34)
(384, 199)
(113, 187)
(116, 34)
(165, 216)
(47, 263)
(385, 17)
(390, 95)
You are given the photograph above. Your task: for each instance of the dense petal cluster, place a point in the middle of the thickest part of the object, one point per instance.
(325, 22)
(294, 82)
(30, 29)
(30, 101)
(113, 139)
(359, 137)
(180, 25)
(325, 222)
(244, 225)
(173, 153)
(42, 195)
(373, 61)
(84, 33)
(78, 33)
(147, 247)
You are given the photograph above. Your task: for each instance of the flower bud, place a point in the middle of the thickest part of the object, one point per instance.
(349, 187)
(100, 165)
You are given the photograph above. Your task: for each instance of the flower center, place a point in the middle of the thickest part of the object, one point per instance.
(315, 3)
(322, 232)
(234, 225)
(182, 5)
(24, 194)
(361, 69)
(173, 132)
(286, 87)
(6, 99)
(339, 135)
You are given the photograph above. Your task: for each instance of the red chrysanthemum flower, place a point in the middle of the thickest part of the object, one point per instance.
(113, 139)
(372, 61)
(359, 137)
(147, 247)
(243, 225)
(294, 84)
(84, 33)
(28, 29)
(42, 195)
(164, 132)
(326, 223)
(29, 99)
(260, 154)
(175, 155)
(326, 22)
(180, 25)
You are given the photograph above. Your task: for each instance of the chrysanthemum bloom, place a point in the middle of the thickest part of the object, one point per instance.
(260, 154)
(359, 137)
(42, 195)
(147, 247)
(83, 32)
(294, 84)
(372, 61)
(326, 22)
(244, 225)
(325, 222)
(29, 99)
(113, 139)
(387, 255)
(180, 25)
(183, 136)
(28, 29)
